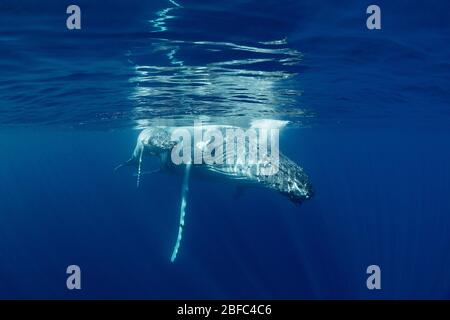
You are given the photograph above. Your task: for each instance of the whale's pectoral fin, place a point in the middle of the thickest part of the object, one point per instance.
(129, 162)
(148, 172)
(138, 179)
(133, 162)
(184, 194)
(163, 157)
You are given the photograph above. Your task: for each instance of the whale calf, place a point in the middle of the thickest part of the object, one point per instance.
(275, 172)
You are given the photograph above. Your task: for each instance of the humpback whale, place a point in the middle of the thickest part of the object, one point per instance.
(239, 163)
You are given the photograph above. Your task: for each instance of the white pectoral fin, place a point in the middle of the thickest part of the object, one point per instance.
(184, 194)
(138, 180)
(143, 173)
(127, 163)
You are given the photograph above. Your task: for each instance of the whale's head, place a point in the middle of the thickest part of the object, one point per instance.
(290, 179)
(153, 141)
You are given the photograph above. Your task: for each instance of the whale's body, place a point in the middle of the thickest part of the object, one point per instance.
(289, 179)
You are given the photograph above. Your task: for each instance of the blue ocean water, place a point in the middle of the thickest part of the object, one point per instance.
(369, 121)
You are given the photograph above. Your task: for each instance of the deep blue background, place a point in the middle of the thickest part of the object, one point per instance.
(372, 133)
(381, 199)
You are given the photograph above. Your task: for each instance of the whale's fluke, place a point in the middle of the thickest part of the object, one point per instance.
(184, 193)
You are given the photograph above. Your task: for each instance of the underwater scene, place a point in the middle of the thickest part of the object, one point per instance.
(233, 149)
